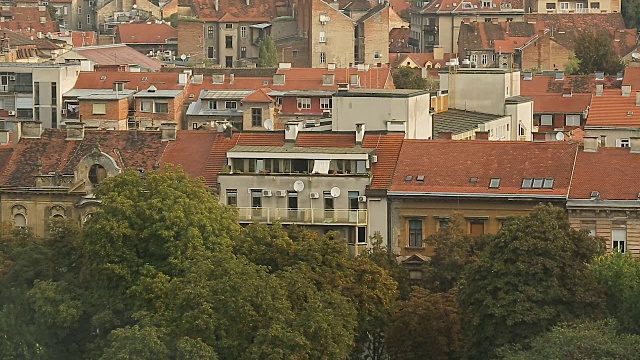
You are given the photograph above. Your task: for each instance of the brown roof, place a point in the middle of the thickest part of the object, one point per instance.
(557, 103)
(83, 38)
(27, 20)
(579, 84)
(235, 10)
(117, 54)
(143, 33)
(399, 40)
(259, 96)
(567, 27)
(632, 77)
(132, 80)
(419, 58)
(449, 165)
(190, 151)
(501, 37)
(613, 172)
(613, 109)
(448, 6)
(388, 149)
(137, 150)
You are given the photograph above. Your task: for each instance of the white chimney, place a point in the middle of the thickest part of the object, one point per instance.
(182, 78)
(590, 143)
(232, 78)
(291, 131)
(217, 5)
(599, 89)
(637, 98)
(359, 133)
(626, 90)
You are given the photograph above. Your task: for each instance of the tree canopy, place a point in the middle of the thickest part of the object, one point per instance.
(267, 52)
(408, 78)
(595, 52)
(631, 13)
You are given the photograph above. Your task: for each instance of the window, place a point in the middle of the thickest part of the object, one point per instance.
(619, 240)
(79, 25)
(484, 59)
(377, 55)
(564, 6)
(79, 9)
(228, 42)
(572, 120)
(54, 94)
(476, 227)
(19, 221)
(88, 19)
(486, 3)
(210, 32)
(304, 103)
(323, 58)
(509, 19)
(551, 6)
(99, 109)
(354, 80)
(146, 106)
(589, 226)
(415, 233)
(323, 37)
(118, 86)
(213, 105)
(474, 58)
(328, 204)
(54, 118)
(546, 120)
(243, 31)
(625, 143)
(256, 198)
(595, 5)
(36, 93)
(537, 183)
(547, 184)
(325, 103)
(230, 104)
(211, 53)
(228, 26)
(24, 113)
(228, 61)
(243, 52)
(443, 223)
(494, 183)
(97, 174)
(232, 197)
(161, 108)
(487, 19)
(256, 117)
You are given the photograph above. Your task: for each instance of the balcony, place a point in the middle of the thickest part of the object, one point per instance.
(307, 216)
(429, 28)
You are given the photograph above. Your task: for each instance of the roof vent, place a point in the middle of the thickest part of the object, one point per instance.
(559, 75)
(599, 76)
(595, 195)
(619, 76)
(408, 178)
(629, 113)
(473, 180)
(103, 78)
(420, 178)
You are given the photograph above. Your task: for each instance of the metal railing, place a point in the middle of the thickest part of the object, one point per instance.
(303, 216)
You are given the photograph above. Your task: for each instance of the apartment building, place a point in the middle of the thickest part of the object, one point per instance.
(614, 116)
(32, 20)
(574, 6)
(153, 107)
(75, 14)
(437, 23)
(34, 91)
(154, 39)
(110, 13)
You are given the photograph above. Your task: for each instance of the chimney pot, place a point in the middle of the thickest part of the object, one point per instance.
(169, 131)
(482, 135)
(590, 143)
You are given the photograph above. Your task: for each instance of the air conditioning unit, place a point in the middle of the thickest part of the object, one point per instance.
(362, 199)
(266, 192)
(281, 193)
(314, 195)
(374, 158)
(12, 113)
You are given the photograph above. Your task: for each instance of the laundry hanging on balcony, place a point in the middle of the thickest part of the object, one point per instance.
(321, 166)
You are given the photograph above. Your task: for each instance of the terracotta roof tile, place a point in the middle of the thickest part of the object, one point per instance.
(621, 166)
(27, 20)
(235, 10)
(133, 81)
(501, 37)
(143, 33)
(613, 109)
(399, 40)
(448, 166)
(259, 96)
(84, 38)
(579, 84)
(326, 140)
(137, 150)
(116, 55)
(632, 77)
(419, 58)
(556, 103)
(448, 6)
(190, 150)
(388, 148)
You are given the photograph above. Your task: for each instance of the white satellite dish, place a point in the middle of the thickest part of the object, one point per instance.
(635, 56)
(268, 124)
(183, 57)
(335, 192)
(298, 186)
(560, 136)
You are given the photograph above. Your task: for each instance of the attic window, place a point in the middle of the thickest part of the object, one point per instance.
(97, 173)
(408, 178)
(144, 78)
(473, 180)
(265, 83)
(494, 183)
(103, 78)
(537, 183)
(528, 76)
(420, 178)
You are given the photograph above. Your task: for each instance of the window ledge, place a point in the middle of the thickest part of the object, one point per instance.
(414, 247)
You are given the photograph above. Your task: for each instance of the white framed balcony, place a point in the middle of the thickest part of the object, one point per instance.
(307, 216)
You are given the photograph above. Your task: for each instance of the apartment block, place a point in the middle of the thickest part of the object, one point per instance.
(574, 6)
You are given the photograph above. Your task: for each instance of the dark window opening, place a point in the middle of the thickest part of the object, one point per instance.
(97, 174)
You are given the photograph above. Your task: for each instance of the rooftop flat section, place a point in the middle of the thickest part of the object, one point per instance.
(459, 121)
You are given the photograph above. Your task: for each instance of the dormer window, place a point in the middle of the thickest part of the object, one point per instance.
(97, 173)
(494, 183)
(537, 183)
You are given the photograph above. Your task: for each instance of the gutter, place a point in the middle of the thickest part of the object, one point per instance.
(573, 169)
(476, 195)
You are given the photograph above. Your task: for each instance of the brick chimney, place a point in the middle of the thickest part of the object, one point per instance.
(482, 135)
(31, 129)
(445, 135)
(539, 136)
(590, 144)
(169, 131)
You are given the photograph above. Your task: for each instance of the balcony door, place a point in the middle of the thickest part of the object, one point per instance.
(256, 203)
(354, 206)
(292, 206)
(580, 8)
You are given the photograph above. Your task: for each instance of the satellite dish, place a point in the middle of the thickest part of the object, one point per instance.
(635, 56)
(183, 57)
(560, 136)
(298, 186)
(268, 124)
(335, 192)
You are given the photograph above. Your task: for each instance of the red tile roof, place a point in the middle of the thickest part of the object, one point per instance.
(619, 169)
(336, 140)
(27, 20)
(632, 77)
(556, 103)
(84, 38)
(132, 80)
(235, 10)
(613, 109)
(419, 58)
(448, 166)
(503, 37)
(143, 33)
(117, 55)
(259, 96)
(399, 40)
(388, 149)
(448, 6)
(400, 5)
(579, 84)
(190, 151)
(137, 150)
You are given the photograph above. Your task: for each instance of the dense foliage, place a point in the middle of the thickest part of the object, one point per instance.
(595, 52)
(267, 53)
(408, 78)
(631, 13)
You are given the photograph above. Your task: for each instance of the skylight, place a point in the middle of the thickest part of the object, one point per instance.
(537, 183)
(494, 183)
(420, 178)
(408, 178)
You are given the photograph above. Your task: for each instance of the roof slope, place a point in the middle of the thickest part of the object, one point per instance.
(557, 103)
(235, 10)
(459, 121)
(623, 185)
(388, 148)
(613, 109)
(501, 37)
(117, 54)
(449, 165)
(143, 33)
(137, 150)
(190, 150)
(132, 80)
(27, 20)
(579, 84)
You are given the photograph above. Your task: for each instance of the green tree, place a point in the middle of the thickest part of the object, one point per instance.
(533, 275)
(267, 52)
(582, 341)
(595, 52)
(573, 66)
(427, 326)
(407, 78)
(631, 13)
(454, 249)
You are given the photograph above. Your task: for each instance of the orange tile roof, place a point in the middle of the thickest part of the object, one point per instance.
(557, 103)
(27, 19)
(579, 84)
(449, 165)
(143, 33)
(190, 151)
(84, 38)
(388, 149)
(133, 81)
(613, 109)
(632, 77)
(336, 140)
(447, 6)
(419, 58)
(259, 96)
(400, 5)
(502, 37)
(399, 40)
(235, 10)
(619, 169)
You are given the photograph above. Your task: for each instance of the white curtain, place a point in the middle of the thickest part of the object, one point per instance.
(321, 166)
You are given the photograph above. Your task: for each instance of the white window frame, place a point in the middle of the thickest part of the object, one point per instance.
(325, 103)
(563, 6)
(323, 58)
(148, 108)
(79, 10)
(89, 19)
(474, 58)
(484, 59)
(619, 239)
(303, 103)
(624, 143)
(377, 55)
(323, 37)
(572, 120)
(99, 109)
(243, 31)
(546, 120)
(212, 105)
(155, 107)
(231, 105)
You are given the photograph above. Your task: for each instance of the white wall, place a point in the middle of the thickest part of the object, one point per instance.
(521, 115)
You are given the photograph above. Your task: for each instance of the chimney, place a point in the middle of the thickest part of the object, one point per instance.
(169, 131)
(182, 78)
(637, 98)
(75, 130)
(291, 131)
(445, 135)
(438, 53)
(31, 129)
(626, 90)
(217, 5)
(232, 78)
(342, 87)
(634, 144)
(590, 143)
(539, 136)
(359, 133)
(599, 89)
(248, 2)
(482, 135)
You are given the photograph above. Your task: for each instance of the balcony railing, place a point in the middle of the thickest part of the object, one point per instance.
(303, 216)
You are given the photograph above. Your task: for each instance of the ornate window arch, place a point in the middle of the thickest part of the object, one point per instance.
(19, 215)
(57, 211)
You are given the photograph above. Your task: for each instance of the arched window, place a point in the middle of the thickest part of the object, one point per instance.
(20, 221)
(97, 173)
(210, 32)
(87, 217)
(58, 216)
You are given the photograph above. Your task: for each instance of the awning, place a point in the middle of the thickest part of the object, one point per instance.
(321, 166)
